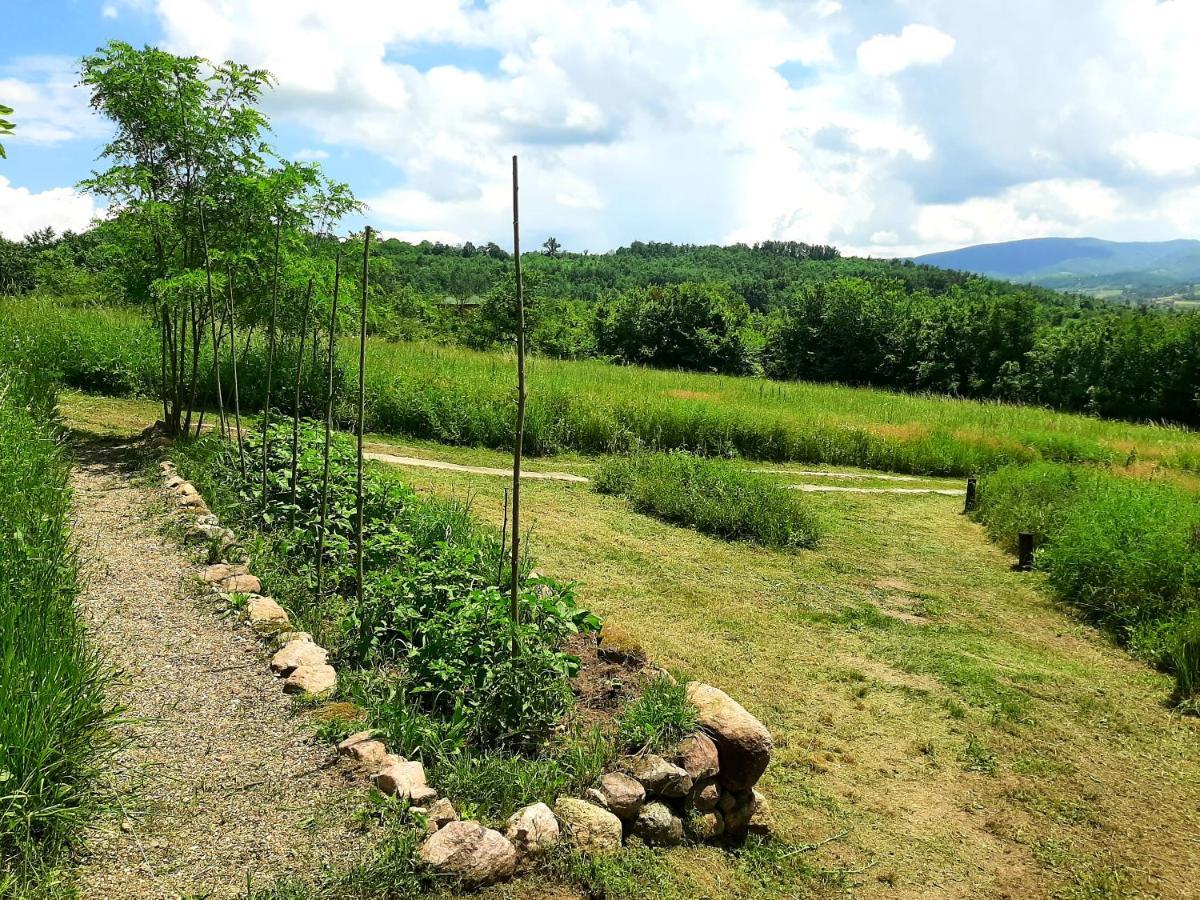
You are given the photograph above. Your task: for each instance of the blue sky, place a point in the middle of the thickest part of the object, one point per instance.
(888, 127)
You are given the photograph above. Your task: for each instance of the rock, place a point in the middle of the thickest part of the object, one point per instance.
(477, 855)
(200, 532)
(532, 830)
(660, 777)
(760, 822)
(265, 612)
(358, 737)
(658, 826)
(194, 502)
(286, 637)
(591, 795)
(727, 801)
(737, 819)
(405, 779)
(298, 653)
(743, 743)
(311, 680)
(166, 466)
(704, 826)
(697, 755)
(173, 481)
(240, 584)
(705, 795)
(183, 490)
(442, 813)
(589, 828)
(218, 572)
(372, 755)
(207, 519)
(623, 796)
(619, 646)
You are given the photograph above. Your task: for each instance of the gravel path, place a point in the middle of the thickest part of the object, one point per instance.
(219, 778)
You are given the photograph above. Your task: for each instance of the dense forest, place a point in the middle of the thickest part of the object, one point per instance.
(783, 310)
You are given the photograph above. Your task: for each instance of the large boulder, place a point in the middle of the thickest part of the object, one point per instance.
(295, 654)
(697, 755)
(311, 680)
(657, 825)
(240, 584)
(477, 855)
(532, 830)
(743, 743)
(589, 828)
(264, 612)
(661, 778)
(623, 795)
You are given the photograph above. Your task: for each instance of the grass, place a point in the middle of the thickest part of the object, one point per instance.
(1125, 551)
(53, 718)
(658, 719)
(711, 496)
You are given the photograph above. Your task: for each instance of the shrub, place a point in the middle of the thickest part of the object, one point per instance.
(712, 496)
(1122, 550)
(53, 718)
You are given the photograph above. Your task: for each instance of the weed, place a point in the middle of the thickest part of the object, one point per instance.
(658, 718)
(977, 757)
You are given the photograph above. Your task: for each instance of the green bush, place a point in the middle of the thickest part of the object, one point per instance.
(53, 715)
(1123, 550)
(712, 496)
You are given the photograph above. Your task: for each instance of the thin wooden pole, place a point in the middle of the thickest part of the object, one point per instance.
(237, 401)
(362, 408)
(296, 398)
(337, 278)
(503, 541)
(266, 421)
(212, 313)
(519, 436)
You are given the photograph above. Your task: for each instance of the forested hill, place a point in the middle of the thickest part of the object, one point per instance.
(763, 274)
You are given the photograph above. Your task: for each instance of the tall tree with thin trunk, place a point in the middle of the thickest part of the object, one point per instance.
(362, 408)
(266, 421)
(212, 315)
(237, 400)
(519, 432)
(296, 398)
(337, 284)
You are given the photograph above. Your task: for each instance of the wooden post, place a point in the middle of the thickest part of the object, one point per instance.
(970, 504)
(337, 279)
(237, 402)
(266, 420)
(519, 435)
(503, 541)
(296, 398)
(1024, 551)
(362, 406)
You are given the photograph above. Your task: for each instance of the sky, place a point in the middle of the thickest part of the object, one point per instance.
(886, 127)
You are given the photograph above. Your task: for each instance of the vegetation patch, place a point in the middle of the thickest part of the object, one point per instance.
(712, 496)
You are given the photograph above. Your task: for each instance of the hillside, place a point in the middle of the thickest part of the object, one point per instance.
(1132, 268)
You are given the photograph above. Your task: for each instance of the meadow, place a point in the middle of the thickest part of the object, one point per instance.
(463, 397)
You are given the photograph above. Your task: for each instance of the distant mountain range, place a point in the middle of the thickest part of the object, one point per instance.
(1137, 268)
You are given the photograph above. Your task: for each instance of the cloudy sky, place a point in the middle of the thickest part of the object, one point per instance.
(887, 127)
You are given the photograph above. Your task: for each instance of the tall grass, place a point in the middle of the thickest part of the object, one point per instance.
(53, 715)
(712, 496)
(1125, 551)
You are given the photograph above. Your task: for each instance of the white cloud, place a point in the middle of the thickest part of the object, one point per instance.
(416, 237)
(308, 154)
(110, 11)
(915, 45)
(23, 212)
(1162, 152)
(48, 106)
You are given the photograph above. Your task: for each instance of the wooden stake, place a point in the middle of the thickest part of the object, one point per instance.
(519, 435)
(237, 402)
(266, 421)
(362, 405)
(969, 505)
(503, 541)
(337, 279)
(1024, 551)
(296, 398)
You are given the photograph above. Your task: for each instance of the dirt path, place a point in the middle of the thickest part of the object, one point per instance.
(219, 779)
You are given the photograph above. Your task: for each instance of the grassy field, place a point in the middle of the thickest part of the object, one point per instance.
(943, 727)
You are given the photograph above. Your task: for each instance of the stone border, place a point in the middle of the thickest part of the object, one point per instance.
(704, 789)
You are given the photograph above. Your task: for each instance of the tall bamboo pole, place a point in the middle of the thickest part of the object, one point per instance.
(362, 408)
(296, 398)
(266, 421)
(337, 278)
(519, 436)
(212, 313)
(237, 400)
